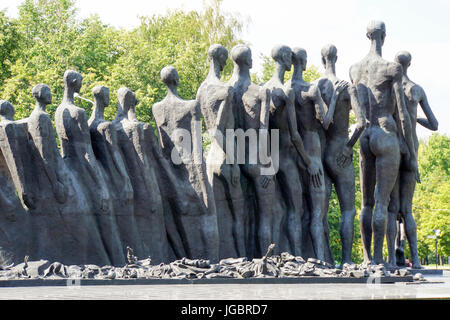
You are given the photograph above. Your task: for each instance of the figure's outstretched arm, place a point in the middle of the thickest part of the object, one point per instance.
(430, 122)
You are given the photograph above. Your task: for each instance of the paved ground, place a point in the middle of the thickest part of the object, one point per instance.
(438, 287)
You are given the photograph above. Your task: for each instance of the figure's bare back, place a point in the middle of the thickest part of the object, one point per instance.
(374, 79)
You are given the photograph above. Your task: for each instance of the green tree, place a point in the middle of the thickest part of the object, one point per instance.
(431, 205)
(9, 45)
(178, 38)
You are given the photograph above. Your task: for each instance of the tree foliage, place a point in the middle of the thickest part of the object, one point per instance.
(47, 39)
(431, 206)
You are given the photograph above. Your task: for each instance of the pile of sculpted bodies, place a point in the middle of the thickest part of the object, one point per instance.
(284, 265)
(110, 185)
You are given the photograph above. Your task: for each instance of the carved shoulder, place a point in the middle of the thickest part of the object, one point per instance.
(395, 70)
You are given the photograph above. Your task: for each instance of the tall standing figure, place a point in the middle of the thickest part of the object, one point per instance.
(339, 147)
(402, 196)
(291, 151)
(148, 206)
(75, 140)
(179, 129)
(15, 236)
(251, 104)
(309, 108)
(62, 211)
(215, 98)
(106, 149)
(379, 86)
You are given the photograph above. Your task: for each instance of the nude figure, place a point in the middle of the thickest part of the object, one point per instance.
(76, 148)
(402, 196)
(339, 147)
(379, 86)
(310, 107)
(197, 220)
(215, 98)
(252, 104)
(148, 206)
(291, 150)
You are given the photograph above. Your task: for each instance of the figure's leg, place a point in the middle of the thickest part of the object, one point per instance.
(317, 216)
(328, 190)
(387, 151)
(391, 234)
(345, 189)
(264, 197)
(236, 202)
(408, 183)
(367, 176)
(289, 179)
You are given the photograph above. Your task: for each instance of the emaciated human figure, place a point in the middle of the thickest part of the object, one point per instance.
(402, 196)
(148, 206)
(379, 86)
(215, 98)
(61, 213)
(15, 149)
(106, 149)
(75, 140)
(252, 104)
(15, 239)
(198, 220)
(339, 148)
(310, 107)
(291, 150)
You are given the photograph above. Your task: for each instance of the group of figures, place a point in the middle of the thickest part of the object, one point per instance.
(115, 184)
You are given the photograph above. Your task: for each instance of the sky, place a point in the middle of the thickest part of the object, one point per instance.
(420, 27)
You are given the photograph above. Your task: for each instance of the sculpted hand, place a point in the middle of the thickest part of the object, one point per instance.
(315, 173)
(265, 181)
(345, 157)
(341, 86)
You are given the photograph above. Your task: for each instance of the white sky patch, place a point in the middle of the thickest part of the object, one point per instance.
(420, 27)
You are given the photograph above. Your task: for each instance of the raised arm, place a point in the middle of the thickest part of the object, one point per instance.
(430, 121)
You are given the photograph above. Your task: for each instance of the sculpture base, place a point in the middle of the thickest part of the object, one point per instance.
(431, 272)
(268, 280)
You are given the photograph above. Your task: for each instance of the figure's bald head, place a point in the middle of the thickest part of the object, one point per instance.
(73, 79)
(218, 54)
(42, 93)
(101, 93)
(329, 53)
(169, 76)
(299, 57)
(404, 58)
(376, 29)
(126, 98)
(242, 55)
(283, 55)
(7, 110)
